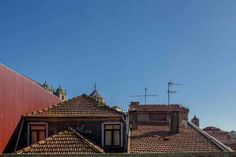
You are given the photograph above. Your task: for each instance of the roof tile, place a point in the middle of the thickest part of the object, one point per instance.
(155, 138)
(67, 141)
(82, 106)
(158, 107)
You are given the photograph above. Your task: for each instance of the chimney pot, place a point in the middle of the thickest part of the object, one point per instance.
(174, 122)
(134, 103)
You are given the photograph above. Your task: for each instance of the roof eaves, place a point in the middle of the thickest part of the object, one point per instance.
(105, 106)
(211, 138)
(72, 116)
(121, 113)
(179, 106)
(34, 113)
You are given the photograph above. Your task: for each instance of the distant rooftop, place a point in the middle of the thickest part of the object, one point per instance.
(157, 107)
(158, 139)
(81, 106)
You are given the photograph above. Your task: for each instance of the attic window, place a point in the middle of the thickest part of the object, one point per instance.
(36, 132)
(112, 134)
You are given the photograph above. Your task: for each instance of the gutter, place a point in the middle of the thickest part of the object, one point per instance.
(18, 137)
(211, 138)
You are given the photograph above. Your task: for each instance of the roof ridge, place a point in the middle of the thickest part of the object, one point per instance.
(89, 107)
(106, 106)
(211, 138)
(110, 108)
(87, 140)
(69, 129)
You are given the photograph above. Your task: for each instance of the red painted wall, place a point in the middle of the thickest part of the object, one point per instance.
(18, 95)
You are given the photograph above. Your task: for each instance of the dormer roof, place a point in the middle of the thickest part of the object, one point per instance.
(81, 106)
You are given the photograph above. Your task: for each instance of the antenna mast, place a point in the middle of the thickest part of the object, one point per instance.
(169, 91)
(145, 95)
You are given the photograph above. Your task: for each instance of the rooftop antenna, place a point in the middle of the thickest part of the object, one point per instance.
(170, 83)
(145, 95)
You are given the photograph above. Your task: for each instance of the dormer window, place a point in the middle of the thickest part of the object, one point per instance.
(36, 132)
(112, 134)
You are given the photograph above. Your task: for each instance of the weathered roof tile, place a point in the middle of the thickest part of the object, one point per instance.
(158, 107)
(65, 142)
(156, 138)
(82, 106)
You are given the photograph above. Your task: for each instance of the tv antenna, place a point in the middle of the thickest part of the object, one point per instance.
(145, 95)
(170, 83)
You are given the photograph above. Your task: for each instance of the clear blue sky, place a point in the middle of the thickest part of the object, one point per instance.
(125, 46)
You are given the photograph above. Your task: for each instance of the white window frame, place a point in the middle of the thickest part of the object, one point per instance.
(35, 123)
(121, 132)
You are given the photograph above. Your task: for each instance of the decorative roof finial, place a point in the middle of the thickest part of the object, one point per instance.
(95, 87)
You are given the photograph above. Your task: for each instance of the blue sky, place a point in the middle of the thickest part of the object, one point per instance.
(125, 46)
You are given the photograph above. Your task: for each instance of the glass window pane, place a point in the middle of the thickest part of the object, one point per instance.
(116, 126)
(41, 135)
(34, 137)
(116, 137)
(108, 126)
(108, 138)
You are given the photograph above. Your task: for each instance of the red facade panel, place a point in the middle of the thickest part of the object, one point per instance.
(19, 95)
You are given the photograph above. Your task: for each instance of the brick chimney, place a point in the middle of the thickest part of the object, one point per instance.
(133, 104)
(174, 122)
(133, 120)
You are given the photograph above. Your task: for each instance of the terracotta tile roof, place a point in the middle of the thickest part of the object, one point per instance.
(155, 138)
(65, 142)
(158, 107)
(232, 146)
(81, 106)
(222, 136)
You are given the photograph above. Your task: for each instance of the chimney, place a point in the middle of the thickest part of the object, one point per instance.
(195, 120)
(134, 103)
(133, 119)
(174, 122)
